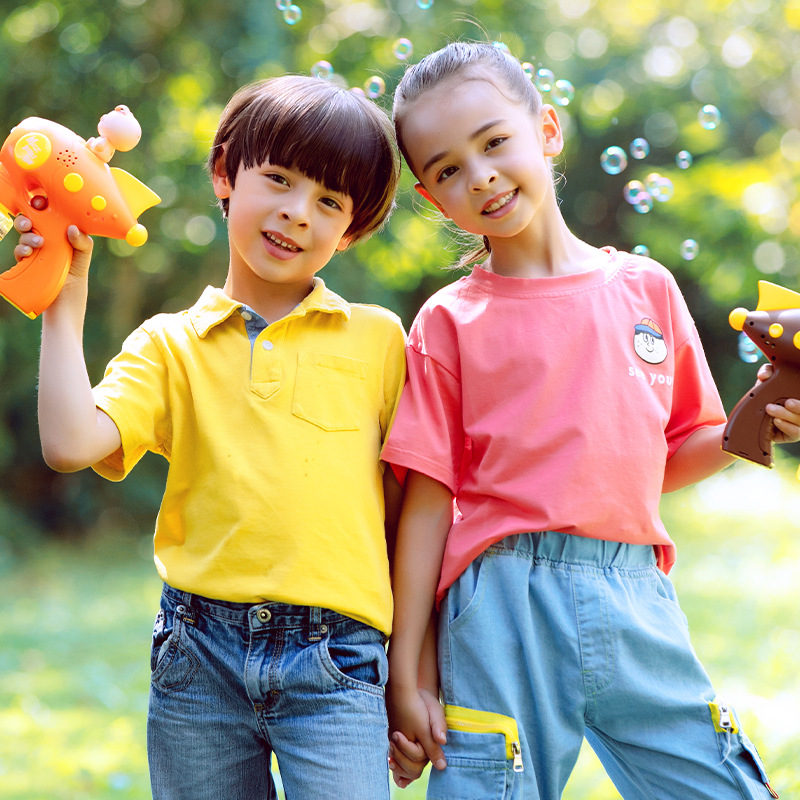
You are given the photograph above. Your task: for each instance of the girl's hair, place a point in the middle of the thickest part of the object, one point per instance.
(463, 60)
(332, 135)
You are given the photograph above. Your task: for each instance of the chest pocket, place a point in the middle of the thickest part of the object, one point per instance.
(330, 391)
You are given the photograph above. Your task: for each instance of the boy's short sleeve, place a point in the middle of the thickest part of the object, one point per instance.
(134, 393)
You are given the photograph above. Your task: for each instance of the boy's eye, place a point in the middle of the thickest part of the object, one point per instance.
(331, 202)
(274, 176)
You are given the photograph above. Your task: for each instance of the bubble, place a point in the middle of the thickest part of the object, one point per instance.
(501, 46)
(292, 15)
(748, 351)
(709, 117)
(424, 4)
(660, 187)
(322, 69)
(282, 5)
(632, 191)
(684, 159)
(375, 86)
(528, 69)
(613, 160)
(544, 79)
(640, 148)
(642, 250)
(402, 49)
(689, 249)
(563, 93)
(643, 203)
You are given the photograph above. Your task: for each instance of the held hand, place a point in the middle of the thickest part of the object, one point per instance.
(82, 246)
(785, 417)
(419, 730)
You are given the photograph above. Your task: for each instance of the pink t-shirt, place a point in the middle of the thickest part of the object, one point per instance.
(553, 403)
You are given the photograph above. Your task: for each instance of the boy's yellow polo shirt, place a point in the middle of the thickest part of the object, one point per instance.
(274, 489)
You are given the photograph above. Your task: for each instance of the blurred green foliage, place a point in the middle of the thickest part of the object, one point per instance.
(639, 70)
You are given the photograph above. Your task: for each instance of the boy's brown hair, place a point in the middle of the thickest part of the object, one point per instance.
(332, 135)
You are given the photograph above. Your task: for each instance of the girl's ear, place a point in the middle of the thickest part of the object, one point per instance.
(429, 197)
(219, 178)
(552, 136)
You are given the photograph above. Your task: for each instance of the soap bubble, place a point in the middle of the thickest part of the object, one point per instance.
(528, 69)
(640, 148)
(709, 117)
(684, 159)
(748, 351)
(424, 4)
(283, 4)
(375, 86)
(292, 15)
(659, 186)
(402, 49)
(642, 250)
(544, 79)
(322, 69)
(689, 249)
(632, 191)
(563, 93)
(613, 160)
(643, 203)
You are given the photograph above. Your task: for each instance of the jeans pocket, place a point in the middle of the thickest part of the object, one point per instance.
(464, 597)
(354, 655)
(483, 758)
(173, 664)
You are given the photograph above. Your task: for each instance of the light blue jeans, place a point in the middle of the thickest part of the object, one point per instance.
(233, 683)
(574, 638)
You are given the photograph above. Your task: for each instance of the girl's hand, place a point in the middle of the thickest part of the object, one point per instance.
(82, 246)
(785, 417)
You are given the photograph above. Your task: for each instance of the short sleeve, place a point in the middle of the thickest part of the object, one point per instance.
(134, 394)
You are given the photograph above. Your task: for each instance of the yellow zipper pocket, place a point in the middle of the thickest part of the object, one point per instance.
(473, 721)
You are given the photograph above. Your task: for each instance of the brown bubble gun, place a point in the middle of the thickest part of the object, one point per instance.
(56, 178)
(775, 329)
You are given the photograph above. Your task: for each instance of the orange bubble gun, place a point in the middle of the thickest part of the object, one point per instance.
(775, 329)
(56, 178)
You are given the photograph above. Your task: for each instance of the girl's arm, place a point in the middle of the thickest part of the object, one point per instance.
(701, 455)
(425, 521)
(74, 433)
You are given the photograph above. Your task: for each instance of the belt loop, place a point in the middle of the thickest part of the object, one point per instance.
(314, 624)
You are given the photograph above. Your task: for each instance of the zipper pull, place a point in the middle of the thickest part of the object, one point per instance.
(725, 718)
(517, 751)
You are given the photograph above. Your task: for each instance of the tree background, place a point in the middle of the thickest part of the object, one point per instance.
(72, 677)
(639, 69)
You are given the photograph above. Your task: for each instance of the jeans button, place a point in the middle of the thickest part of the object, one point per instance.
(264, 614)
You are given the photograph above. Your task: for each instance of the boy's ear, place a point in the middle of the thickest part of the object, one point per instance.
(219, 178)
(429, 197)
(344, 243)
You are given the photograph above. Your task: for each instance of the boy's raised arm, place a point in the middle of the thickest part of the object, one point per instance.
(74, 433)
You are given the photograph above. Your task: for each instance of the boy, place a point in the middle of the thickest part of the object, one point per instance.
(270, 398)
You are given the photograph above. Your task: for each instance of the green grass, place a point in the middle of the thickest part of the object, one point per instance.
(77, 621)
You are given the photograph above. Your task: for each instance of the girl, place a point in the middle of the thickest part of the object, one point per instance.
(554, 393)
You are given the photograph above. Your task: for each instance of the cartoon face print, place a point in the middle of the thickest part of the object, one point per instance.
(648, 341)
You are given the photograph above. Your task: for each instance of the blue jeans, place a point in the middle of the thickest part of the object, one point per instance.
(233, 683)
(549, 638)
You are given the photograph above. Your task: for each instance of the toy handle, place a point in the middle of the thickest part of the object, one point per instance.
(35, 281)
(747, 434)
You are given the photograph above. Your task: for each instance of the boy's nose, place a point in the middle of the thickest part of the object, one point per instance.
(295, 209)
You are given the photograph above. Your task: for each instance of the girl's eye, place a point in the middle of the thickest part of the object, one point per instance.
(446, 173)
(492, 143)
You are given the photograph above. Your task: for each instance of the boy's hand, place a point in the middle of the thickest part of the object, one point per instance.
(785, 417)
(419, 730)
(82, 246)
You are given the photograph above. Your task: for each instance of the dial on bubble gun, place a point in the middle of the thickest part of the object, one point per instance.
(56, 178)
(775, 329)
